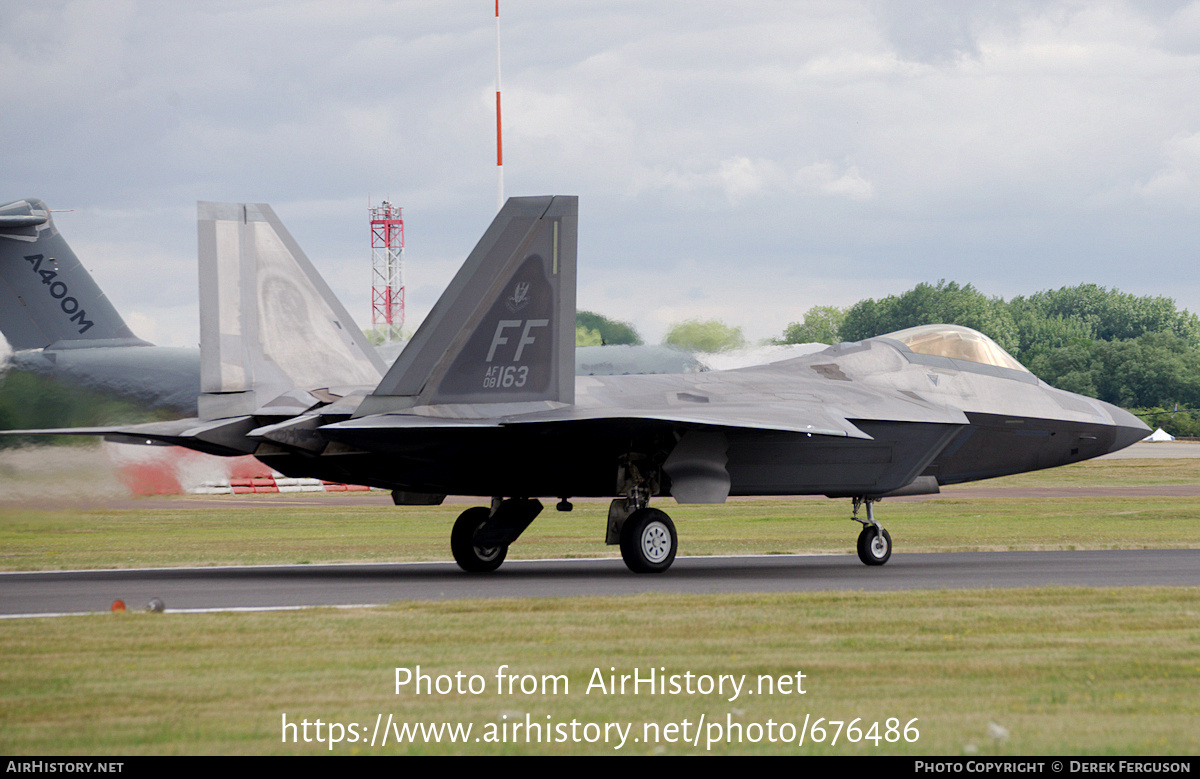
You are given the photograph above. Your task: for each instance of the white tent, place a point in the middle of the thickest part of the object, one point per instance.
(1159, 435)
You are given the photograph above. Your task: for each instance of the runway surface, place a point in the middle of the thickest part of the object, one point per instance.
(264, 587)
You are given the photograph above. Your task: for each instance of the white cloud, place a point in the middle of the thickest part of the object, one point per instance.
(978, 141)
(827, 178)
(739, 179)
(1178, 181)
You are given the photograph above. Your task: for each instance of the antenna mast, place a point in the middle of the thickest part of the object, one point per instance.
(387, 271)
(499, 144)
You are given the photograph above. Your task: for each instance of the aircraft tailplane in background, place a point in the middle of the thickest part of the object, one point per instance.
(47, 297)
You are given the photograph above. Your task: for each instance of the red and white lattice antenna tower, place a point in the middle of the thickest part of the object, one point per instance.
(387, 270)
(499, 145)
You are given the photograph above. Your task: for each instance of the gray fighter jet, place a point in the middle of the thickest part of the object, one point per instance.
(484, 402)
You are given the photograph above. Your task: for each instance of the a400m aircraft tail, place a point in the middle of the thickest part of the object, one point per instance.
(47, 297)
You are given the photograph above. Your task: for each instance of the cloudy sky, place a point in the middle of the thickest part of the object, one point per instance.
(743, 161)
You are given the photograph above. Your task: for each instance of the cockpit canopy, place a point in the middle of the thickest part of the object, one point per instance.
(955, 342)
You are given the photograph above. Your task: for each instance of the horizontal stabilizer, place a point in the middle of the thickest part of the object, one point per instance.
(8, 223)
(224, 437)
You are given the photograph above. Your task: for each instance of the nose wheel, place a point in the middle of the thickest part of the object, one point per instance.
(874, 543)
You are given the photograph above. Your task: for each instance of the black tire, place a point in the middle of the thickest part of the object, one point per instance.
(648, 541)
(874, 545)
(472, 558)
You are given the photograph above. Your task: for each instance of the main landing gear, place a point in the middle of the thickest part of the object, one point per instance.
(481, 535)
(471, 556)
(874, 543)
(648, 541)
(647, 536)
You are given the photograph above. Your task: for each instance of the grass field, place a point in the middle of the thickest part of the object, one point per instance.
(1047, 671)
(271, 530)
(1036, 671)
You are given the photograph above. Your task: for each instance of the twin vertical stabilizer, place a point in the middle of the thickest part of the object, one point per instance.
(268, 322)
(502, 333)
(504, 330)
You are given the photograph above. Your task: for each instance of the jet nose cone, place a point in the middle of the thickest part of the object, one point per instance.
(1129, 429)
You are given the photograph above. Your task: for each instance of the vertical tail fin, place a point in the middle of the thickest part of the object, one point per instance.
(47, 297)
(268, 322)
(504, 330)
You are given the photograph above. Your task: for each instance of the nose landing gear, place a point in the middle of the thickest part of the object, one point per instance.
(874, 543)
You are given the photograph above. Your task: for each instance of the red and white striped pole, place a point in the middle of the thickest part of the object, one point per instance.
(499, 144)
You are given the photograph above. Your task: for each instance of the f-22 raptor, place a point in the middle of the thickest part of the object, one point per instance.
(484, 400)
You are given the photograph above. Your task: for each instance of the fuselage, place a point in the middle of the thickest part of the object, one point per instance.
(862, 419)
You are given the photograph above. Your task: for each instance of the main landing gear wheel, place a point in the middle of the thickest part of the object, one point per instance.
(648, 541)
(472, 558)
(874, 545)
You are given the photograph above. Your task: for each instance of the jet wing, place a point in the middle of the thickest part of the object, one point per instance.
(781, 418)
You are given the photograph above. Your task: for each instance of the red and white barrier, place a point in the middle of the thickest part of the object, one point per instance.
(171, 470)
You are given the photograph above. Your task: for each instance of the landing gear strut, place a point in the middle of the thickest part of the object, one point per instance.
(874, 543)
